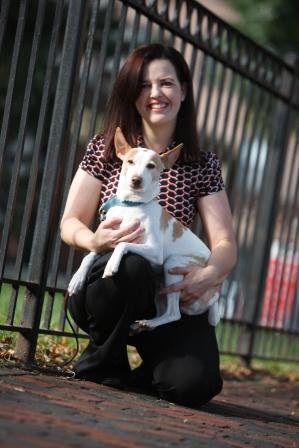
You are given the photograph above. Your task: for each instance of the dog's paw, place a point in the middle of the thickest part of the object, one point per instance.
(110, 270)
(140, 325)
(76, 284)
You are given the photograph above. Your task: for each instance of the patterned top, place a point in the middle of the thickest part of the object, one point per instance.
(181, 185)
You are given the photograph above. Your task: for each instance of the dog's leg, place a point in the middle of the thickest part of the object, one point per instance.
(79, 278)
(172, 312)
(148, 252)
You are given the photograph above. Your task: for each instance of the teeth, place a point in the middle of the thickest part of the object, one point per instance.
(158, 106)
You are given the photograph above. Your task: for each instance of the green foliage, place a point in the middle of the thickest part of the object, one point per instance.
(272, 23)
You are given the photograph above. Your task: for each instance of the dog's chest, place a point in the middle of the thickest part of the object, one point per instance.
(149, 216)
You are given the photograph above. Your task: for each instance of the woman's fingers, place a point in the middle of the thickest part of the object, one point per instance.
(130, 233)
(110, 223)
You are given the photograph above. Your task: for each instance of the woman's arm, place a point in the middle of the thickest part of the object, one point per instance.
(216, 218)
(80, 209)
(217, 223)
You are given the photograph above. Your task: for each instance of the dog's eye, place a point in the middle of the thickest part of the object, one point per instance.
(131, 162)
(151, 166)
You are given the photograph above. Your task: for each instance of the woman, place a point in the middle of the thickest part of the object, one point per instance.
(152, 101)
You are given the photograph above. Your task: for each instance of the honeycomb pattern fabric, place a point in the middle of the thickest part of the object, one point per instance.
(181, 185)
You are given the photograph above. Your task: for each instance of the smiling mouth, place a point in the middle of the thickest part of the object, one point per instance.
(158, 107)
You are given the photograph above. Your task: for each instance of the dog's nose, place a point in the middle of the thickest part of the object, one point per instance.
(136, 181)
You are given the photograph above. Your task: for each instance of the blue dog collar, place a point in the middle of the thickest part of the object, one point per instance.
(114, 200)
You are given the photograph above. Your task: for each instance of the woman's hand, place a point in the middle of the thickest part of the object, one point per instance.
(197, 280)
(109, 234)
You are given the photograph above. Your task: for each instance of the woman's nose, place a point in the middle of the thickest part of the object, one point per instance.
(155, 91)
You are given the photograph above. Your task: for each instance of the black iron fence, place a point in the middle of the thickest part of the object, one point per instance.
(58, 60)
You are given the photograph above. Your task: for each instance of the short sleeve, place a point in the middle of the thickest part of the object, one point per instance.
(210, 177)
(93, 161)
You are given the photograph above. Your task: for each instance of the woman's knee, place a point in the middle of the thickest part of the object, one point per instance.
(135, 269)
(193, 388)
(137, 275)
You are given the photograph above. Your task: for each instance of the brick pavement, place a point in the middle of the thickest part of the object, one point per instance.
(46, 411)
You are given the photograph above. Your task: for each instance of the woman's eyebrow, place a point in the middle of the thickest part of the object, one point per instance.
(163, 78)
(168, 78)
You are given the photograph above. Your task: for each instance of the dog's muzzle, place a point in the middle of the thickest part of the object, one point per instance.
(136, 182)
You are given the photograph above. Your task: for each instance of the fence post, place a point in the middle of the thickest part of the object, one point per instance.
(267, 216)
(38, 263)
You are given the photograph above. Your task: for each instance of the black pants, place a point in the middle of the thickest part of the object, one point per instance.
(181, 358)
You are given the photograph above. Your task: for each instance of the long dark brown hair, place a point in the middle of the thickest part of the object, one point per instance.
(121, 110)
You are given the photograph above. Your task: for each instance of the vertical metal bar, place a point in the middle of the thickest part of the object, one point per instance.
(294, 325)
(285, 234)
(148, 31)
(117, 52)
(11, 83)
(201, 83)
(193, 61)
(235, 193)
(48, 310)
(136, 25)
(244, 211)
(211, 81)
(232, 163)
(101, 65)
(290, 304)
(229, 89)
(21, 134)
(160, 35)
(12, 305)
(3, 19)
(37, 271)
(171, 40)
(220, 94)
(62, 317)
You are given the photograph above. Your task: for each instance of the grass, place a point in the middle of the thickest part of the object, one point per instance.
(51, 349)
(233, 367)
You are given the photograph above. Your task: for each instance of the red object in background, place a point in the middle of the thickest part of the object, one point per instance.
(280, 287)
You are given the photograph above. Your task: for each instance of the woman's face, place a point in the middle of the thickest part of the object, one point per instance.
(161, 94)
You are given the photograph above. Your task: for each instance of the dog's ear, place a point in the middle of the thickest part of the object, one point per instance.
(170, 157)
(120, 143)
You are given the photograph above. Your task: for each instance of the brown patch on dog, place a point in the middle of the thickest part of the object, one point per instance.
(159, 166)
(129, 155)
(164, 220)
(177, 230)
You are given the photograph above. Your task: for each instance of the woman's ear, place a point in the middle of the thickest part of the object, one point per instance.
(120, 143)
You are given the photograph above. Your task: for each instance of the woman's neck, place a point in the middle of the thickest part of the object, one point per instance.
(157, 138)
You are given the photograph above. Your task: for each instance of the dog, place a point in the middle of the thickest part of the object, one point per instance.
(166, 242)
